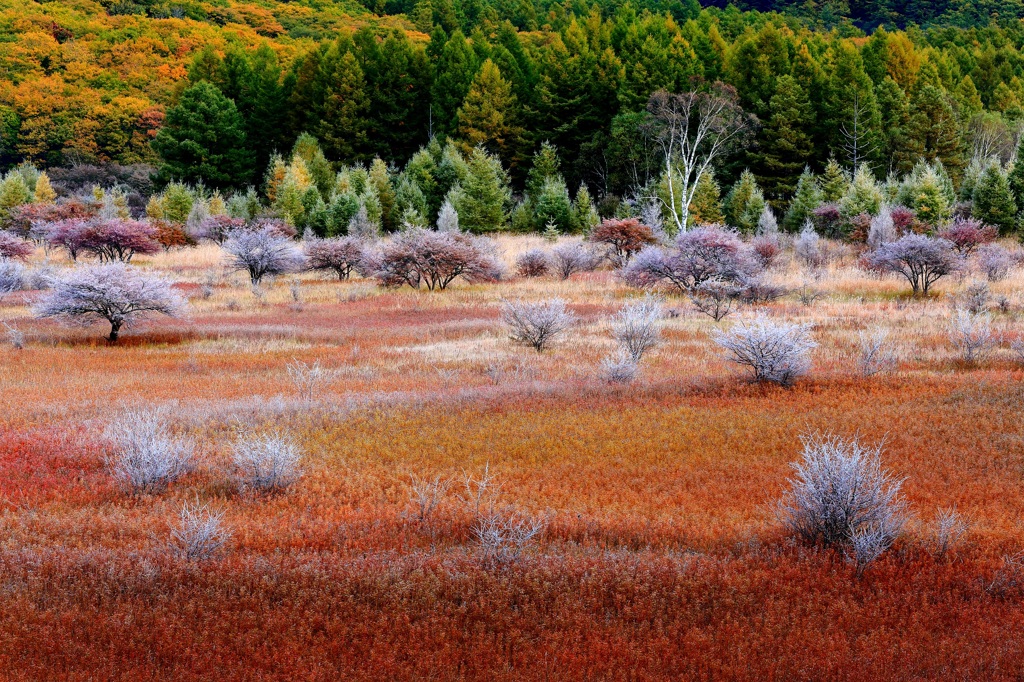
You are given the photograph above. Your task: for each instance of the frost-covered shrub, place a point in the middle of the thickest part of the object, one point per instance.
(841, 496)
(146, 456)
(775, 352)
(537, 325)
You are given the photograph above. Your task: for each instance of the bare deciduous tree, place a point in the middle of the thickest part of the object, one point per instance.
(693, 130)
(776, 352)
(700, 255)
(537, 325)
(876, 352)
(971, 334)
(995, 261)
(262, 253)
(715, 298)
(568, 259)
(308, 379)
(427, 494)
(114, 292)
(504, 535)
(949, 529)
(435, 259)
(533, 263)
(619, 367)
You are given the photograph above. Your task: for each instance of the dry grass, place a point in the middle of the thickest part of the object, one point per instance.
(660, 555)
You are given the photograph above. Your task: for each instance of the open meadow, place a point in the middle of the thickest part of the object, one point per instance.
(655, 547)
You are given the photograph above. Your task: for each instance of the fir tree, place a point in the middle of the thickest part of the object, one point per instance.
(43, 193)
(863, 196)
(453, 76)
(552, 205)
(203, 140)
(482, 199)
(585, 214)
(807, 198)
(1016, 176)
(993, 199)
(706, 207)
(545, 165)
(380, 182)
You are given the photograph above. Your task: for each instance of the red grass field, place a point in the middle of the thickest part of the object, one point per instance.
(661, 558)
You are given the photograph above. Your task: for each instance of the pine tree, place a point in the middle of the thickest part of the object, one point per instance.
(203, 140)
(482, 199)
(785, 146)
(13, 192)
(342, 122)
(545, 165)
(177, 203)
(968, 100)
(486, 115)
(807, 198)
(834, 182)
(706, 207)
(993, 200)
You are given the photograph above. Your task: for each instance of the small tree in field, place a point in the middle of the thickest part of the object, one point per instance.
(967, 234)
(114, 292)
(995, 261)
(568, 259)
(537, 324)
(624, 238)
(921, 260)
(435, 259)
(200, 532)
(775, 352)
(341, 255)
(700, 255)
(118, 239)
(841, 497)
(12, 247)
(533, 263)
(262, 253)
(636, 327)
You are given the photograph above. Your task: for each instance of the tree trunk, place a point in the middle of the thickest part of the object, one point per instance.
(115, 327)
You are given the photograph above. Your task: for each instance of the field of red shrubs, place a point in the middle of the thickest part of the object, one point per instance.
(659, 553)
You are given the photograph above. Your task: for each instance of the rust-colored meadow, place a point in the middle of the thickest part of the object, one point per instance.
(661, 555)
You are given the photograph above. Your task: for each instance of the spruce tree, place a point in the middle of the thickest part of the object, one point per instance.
(552, 205)
(43, 193)
(453, 76)
(203, 140)
(808, 197)
(706, 207)
(834, 182)
(545, 165)
(744, 203)
(1016, 176)
(482, 198)
(863, 196)
(993, 200)
(380, 182)
(585, 214)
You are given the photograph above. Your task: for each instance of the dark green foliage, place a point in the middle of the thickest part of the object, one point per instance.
(993, 200)
(203, 140)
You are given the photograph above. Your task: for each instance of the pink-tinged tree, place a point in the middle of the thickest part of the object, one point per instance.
(341, 255)
(14, 248)
(110, 240)
(921, 260)
(262, 253)
(435, 259)
(113, 292)
(967, 234)
(700, 255)
(218, 228)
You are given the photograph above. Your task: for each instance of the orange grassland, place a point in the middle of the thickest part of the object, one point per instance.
(661, 559)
